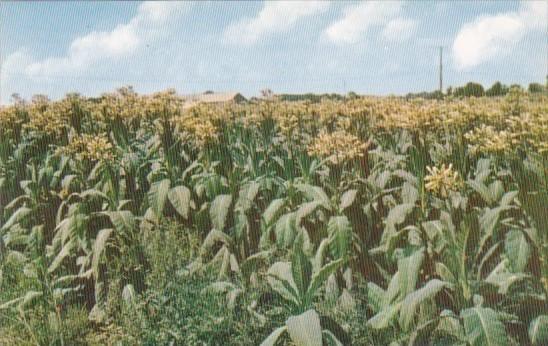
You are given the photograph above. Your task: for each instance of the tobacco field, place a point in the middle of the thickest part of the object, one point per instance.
(131, 219)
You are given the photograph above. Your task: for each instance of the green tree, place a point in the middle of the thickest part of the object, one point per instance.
(497, 89)
(535, 88)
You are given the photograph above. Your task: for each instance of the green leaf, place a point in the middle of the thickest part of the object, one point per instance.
(483, 327)
(414, 299)
(247, 196)
(98, 248)
(272, 339)
(305, 329)
(375, 297)
(273, 210)
(286, 229)
(281, 280)
(348, 198)
(179, 197)
(408, 269)
(17, 217)
(320, 277)
(538, 330)
(517, 250)
(219, 211)
(122, 220)
(157, 196)
(301, 268)
(504, 280)
(384, 317)
(315, 193)
(65, 251)
(340, 235)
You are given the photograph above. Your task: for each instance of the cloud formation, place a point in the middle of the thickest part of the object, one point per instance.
(275, 16)
(357, 20)
(84, 51)
(489, 36)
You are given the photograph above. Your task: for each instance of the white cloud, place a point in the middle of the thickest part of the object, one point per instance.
(489, 36)
(359, 19)
(399, 29)
(97, 46)
(275, 16)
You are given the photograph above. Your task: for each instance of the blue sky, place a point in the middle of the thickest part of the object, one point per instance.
(385, 47)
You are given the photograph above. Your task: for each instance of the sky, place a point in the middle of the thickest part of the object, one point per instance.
(369, 47)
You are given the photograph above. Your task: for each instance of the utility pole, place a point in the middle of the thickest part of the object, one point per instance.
(441, 70)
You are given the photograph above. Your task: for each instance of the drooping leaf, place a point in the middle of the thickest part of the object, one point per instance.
(305, 329)
(408, 269)
(19, 215)
(348, 198)
(98, 249)
(483, 327)
(273, 210)
(301, 268)
(315, 193)
(179, 197)
(286, 229)
(414, 299)
(247, 195)
(538, 331)
(281, 280)
(320, 277)
(517, 250)
(219, 211)
(157, 196)
(340, 235)
(122, 220)
(272, 339)
(66, 250)
(384, 317)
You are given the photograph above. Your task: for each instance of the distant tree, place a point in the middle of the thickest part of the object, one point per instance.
(497, 89)
(449, 91)
(535, 88)
(470, 89)
(352, 95)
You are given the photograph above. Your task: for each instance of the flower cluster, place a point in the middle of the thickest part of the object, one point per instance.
(486, 139)
(90, 148)
(337, 147)
(442, 180)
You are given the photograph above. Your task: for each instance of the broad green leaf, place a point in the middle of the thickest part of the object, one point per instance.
(65, 251)
(305, 329)
(340, 235)
(348, 198)
(414, 299)
(272, 339)
(157, 196)
(301, 268)
(273, 210)
(19, 215)
(408, 269)
(517, 250)
(538, 331)
(281, 280)
(505, 280)
(286, 229)
(315, 193)
(98, 249)
(409, 193)
(320, 277)
(219, 211)
(247, 196)
(179, 197)
(375, 297)
(123, 221)
(384, 317)
(213, 237)
(396, 216)
(483, 327)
